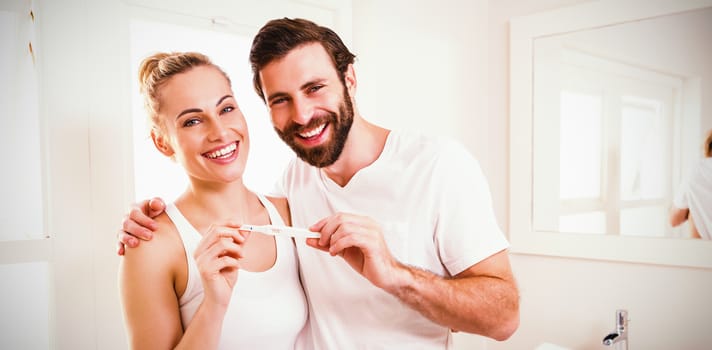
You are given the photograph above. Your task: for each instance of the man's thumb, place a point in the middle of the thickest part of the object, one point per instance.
(155, 207)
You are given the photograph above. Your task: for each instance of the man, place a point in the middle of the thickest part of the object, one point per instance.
(694, 198)
(409, 246)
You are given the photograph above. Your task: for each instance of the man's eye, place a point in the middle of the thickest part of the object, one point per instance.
(277, 101)
(315, 88)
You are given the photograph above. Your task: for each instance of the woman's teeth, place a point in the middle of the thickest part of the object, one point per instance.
(223, 151)
(313, 132)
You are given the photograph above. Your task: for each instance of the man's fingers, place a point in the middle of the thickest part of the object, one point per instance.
(138, 218)
(132, 228)
(156, 206)
(127, 239)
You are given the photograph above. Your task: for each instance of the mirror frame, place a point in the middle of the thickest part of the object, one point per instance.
(523, 238)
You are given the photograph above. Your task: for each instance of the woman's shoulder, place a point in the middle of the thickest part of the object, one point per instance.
(163, 246)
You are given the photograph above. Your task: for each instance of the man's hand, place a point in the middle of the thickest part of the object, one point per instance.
(359, 241)
(139, 223)
(483, 299)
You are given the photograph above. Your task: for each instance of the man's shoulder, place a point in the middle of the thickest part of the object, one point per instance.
(296, 175)
(438, 148)
(408, 140)
(300, 168)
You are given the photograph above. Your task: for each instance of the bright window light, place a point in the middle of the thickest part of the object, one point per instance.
(642, 141)
(580, 148)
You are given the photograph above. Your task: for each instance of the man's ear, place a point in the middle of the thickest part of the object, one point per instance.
(350, 79)
(161, 143)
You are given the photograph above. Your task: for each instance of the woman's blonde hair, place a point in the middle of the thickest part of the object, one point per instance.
(707, 146)
(155, 70)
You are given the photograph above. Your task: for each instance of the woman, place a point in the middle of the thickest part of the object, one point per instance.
(201, 282)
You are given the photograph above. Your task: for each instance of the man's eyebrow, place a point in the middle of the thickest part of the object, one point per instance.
(198, 110)
(302, 87)
(311, 83)
(275, 95)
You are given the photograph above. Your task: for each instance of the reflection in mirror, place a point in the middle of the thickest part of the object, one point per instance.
(619, 113)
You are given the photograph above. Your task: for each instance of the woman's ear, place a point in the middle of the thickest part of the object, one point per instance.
(161, 143)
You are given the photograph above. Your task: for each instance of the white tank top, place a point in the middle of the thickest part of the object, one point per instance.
(267, 310)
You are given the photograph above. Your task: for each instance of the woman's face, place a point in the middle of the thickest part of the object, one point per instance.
(203, 128)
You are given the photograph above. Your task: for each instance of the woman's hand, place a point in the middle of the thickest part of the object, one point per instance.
(217, 257)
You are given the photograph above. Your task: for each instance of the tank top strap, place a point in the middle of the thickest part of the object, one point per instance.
(179, 220)
(274, 216)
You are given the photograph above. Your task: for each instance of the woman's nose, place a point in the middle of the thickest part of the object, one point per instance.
(218, 130)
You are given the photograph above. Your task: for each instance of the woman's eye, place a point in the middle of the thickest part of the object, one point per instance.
(190, 122)
(228, 109)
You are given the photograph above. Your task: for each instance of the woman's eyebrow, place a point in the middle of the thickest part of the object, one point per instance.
(189, 110)
(223, 99)
(198, 110)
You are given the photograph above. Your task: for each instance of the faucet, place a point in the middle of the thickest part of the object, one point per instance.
(620, 334)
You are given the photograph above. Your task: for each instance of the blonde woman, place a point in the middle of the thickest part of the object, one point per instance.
(201, 283)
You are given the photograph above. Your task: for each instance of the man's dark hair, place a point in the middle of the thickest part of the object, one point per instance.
(280, 36)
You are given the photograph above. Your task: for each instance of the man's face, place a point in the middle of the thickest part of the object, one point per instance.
(311, 108)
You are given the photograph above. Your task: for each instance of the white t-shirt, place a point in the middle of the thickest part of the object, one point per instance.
(267, 309)
(434, 206)
(696, 194)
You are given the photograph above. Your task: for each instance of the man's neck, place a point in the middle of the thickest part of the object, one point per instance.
(363, 146)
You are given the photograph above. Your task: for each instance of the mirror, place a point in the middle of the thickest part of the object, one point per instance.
(609, 104)
(618, 121)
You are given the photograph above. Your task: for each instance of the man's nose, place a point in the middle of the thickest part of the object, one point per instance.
(303, 110)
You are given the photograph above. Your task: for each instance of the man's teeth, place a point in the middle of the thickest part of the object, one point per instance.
(223, 151)
(313, 132)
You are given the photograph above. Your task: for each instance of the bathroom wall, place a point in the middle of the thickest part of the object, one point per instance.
(454, 80)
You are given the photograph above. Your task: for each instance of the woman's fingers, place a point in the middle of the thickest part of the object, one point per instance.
(216, 234)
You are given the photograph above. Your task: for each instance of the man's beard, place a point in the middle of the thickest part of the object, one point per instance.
(326, 154)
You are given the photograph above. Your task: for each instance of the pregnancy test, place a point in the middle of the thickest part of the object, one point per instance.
(275, 230)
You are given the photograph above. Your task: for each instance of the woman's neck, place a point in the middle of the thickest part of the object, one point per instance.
(204, 205)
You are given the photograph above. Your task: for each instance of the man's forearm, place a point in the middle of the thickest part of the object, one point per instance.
(484, 305)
